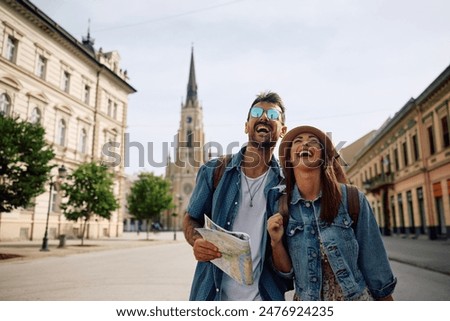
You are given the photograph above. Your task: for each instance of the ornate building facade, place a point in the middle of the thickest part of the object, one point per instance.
(79, 95)
(189, 152)
(404, 167)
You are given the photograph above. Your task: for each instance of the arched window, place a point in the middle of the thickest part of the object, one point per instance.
(83, 141)
(5, 104)
(36, 116)
(62, 132)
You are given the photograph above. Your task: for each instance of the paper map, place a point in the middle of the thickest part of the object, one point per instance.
(236, 260)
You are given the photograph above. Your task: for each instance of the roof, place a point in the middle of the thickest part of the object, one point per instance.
(49, 25)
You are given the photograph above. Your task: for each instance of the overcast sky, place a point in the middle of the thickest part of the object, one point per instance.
(344, 66)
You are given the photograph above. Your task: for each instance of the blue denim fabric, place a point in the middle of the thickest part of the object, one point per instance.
(357, 256)
(223, 205)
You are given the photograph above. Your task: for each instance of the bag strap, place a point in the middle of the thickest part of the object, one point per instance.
(353, 203)
(222, 163)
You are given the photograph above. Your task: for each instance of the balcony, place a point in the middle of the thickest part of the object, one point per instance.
(375, 184)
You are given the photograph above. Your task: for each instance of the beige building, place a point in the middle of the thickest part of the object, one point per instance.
(404, 167)
(80, 96)
(189, 153)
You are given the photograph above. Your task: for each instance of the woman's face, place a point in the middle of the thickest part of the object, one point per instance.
(306, 152)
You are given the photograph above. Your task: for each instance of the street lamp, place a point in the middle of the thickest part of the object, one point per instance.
(61, 174)
(180, 200)
(174, 215)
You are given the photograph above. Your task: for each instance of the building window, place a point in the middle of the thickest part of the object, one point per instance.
(423, 226)
(396, 162)
(115, 111)
(445, 132)
(190, 138)
(65, 84)
(387, 163)
(400, 213)
(41, 66)
(87, 94)
(394, 217)
(11, 49)
(412, 226)
(5, 104)
(36, 116)
(439, 204)
(83, 141)
(415, 145)
(405, 154)
(55, 202)
(431, 140)
(62, 129)
(109, 107)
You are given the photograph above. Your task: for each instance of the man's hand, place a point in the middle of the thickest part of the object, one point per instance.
(205, 251)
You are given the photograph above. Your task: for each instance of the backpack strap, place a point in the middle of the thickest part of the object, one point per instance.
(222, 163)
(353, 203)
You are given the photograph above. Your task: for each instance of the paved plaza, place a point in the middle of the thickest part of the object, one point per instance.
(159, 268)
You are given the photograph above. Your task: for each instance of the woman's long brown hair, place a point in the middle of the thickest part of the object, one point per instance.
(331, 175)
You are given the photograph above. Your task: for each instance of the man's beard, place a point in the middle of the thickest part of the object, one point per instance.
(263, 145)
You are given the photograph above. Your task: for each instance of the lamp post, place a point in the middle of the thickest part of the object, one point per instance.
(180, 200)
(61, 174)
(174, 215)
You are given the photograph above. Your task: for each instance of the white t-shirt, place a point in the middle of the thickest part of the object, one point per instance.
(250, 220)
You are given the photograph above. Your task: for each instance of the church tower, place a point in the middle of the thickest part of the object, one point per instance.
(189, 153)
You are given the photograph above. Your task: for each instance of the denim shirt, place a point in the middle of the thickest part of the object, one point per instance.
(222, 206)
(356, 254)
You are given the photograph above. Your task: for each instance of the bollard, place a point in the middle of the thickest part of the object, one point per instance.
(62, 241)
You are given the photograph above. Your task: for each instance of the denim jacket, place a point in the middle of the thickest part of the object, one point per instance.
(356, 254)
(222, 205)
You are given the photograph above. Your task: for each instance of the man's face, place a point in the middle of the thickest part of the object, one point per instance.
(264, 128)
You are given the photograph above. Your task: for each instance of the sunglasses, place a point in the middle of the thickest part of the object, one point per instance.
(257, 112)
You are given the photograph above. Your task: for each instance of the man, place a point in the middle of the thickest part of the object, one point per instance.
(239, 204)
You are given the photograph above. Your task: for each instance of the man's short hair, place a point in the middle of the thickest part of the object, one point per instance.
(269, 97)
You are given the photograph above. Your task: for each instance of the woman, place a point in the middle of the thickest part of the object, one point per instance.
(330, 258)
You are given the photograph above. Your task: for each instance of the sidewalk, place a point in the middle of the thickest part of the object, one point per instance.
(24, 250)
(422, 252)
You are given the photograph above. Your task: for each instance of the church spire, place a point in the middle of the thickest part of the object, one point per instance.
(88, 42)
(191, 98)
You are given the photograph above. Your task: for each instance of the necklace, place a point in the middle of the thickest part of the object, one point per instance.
(257, 188)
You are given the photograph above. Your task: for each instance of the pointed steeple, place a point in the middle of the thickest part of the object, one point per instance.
(191, 98)
(88, 42)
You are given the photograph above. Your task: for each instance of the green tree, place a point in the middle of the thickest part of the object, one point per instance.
(149, 196)
(89, 191)
(24, 162)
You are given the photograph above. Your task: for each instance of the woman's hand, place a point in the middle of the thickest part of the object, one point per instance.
(280, 257)
(275, 228)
